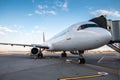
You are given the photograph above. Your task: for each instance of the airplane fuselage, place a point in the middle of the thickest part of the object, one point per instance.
(77, 38)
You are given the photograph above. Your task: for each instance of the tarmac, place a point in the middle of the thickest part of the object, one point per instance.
(98, 66)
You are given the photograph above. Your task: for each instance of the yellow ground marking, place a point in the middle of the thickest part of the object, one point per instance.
(105, 68)
(81, 77)
(91, 76)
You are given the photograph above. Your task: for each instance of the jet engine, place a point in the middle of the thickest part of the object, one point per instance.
(35, 50)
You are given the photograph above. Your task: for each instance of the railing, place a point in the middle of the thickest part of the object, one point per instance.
(115, 47)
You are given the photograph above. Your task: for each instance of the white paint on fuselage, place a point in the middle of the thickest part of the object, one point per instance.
(84, 39)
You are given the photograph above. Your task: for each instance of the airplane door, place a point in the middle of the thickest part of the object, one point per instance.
(68, 37)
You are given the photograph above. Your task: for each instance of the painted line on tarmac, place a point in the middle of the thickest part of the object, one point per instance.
(104, 68)
(99, 67)
(81, 77)
(100, 59)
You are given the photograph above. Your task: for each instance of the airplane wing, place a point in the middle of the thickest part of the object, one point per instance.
(26, 45)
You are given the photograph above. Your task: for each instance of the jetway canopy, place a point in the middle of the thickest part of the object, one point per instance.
(101, 21)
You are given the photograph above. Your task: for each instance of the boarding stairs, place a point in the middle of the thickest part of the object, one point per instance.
(114, 46)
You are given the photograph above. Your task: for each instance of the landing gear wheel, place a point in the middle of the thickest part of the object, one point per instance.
(63, 55)
(81, 61)
(40, 55)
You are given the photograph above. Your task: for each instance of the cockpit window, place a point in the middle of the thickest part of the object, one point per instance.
(86, 26)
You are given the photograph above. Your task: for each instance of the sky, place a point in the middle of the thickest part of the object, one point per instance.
(24, 21)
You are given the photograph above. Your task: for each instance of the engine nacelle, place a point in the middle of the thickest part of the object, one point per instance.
(35, 50)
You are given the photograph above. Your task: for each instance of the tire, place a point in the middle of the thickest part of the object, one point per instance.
(81, 61)
(40, 55)
(63, 55)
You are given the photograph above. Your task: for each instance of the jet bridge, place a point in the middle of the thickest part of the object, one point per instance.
(114, 27)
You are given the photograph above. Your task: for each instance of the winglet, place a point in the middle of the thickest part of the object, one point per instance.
(43, 37)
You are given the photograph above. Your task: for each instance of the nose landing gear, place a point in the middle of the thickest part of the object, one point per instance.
(81, 59)
(64, 54)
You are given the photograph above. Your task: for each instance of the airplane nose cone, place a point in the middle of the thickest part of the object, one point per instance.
(101, 36)
(104, 36)
(108, 35)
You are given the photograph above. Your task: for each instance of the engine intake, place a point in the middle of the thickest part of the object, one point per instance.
(35, 50)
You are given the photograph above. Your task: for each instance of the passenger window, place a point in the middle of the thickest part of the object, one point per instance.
(86, 26)
(79, 28)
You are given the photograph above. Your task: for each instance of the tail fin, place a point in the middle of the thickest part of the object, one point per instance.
(43, 37)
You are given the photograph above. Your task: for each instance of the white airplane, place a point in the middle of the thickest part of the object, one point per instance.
(77, 38)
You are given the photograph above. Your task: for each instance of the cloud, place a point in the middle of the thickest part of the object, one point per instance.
(44, 12)
(106, 12)
(63, 5)
(14, 25)
(5, 30)
(33, 1)
(2, 33)
(38, 12)
(30, 14)
(42, 6)
(18, 27)
(51, 12)
(37, 29)
(53, 8)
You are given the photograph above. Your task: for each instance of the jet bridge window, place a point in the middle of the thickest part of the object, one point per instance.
(86, 26)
